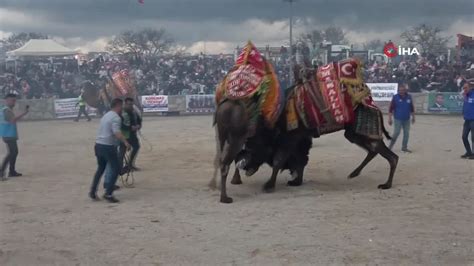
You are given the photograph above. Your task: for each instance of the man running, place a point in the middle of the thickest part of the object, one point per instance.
(106, 150)
(82, 108)
(9, 132)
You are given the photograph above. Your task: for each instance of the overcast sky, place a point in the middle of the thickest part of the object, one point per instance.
(223, 24)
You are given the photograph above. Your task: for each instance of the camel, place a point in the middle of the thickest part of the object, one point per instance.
(281, 148)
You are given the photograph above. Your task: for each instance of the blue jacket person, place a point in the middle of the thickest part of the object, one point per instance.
(401, 108)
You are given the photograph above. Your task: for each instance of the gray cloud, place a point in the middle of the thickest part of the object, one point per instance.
(221, 20)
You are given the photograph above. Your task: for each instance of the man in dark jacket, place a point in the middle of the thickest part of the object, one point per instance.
(131, 124)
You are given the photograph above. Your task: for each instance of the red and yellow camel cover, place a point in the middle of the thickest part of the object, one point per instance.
(253, 80)
(328, 98)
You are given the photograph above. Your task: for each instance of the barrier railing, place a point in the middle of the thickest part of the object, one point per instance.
(47, 109)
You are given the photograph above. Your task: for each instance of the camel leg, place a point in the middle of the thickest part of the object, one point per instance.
(224, 173)
(236, 179)
(299, 177)
(356, 172)
(392, 159)
(364, 144)
(269, 186)
(278, 163)
(230, 151)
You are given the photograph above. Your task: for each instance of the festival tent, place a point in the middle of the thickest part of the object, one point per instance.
(41, 48)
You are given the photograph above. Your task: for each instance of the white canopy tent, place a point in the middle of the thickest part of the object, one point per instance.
(47, 47)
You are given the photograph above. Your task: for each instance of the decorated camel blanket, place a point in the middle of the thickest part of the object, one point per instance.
(253, 81)
(122, 83)
(332, 97)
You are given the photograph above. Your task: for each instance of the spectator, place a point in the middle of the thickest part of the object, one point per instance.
(9, 132)
(468, 112)
(401, 108)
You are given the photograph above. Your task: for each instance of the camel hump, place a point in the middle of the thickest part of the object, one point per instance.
(90, 93)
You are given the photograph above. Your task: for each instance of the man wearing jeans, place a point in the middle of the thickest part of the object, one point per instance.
(401, 108)
(468, 112)
(132, 123)
(106, 150)
(9, 132)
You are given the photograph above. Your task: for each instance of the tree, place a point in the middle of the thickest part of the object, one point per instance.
(313, 38)
(335, 35)
(427, 38)
(146, 42)
(376, 45)
(17, 40)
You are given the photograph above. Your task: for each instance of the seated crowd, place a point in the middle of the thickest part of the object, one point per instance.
(181, 75)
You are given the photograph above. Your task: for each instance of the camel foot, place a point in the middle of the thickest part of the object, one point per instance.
(385, 186)
(295, 183)
(226, 200)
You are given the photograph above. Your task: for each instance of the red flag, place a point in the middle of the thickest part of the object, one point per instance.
(141, 1)
(250, 55)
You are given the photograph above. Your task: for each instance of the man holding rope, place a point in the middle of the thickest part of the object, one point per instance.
(106, 150)
(131, 124)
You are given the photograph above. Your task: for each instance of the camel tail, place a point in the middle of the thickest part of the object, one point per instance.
(384, 130)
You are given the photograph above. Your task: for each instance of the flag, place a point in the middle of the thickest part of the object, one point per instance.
(141, 1)
(250, 55)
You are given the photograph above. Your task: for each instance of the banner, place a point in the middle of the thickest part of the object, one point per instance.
(155, 103)
(200, 103)
(66, 108)
(383, 92)
(331, 91)
(445, 102)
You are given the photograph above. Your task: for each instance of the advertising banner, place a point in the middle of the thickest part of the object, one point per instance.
(445, 102)
(383, 92)
(66, 108)
(200, 103)
(155, 103)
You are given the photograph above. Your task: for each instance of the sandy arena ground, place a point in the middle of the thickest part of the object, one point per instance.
(172, 218)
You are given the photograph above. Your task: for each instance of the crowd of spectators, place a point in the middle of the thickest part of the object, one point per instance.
(181, 75)
(420, 74)
(166, 76)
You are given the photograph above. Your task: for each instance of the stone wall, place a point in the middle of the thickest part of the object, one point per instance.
(42, 109)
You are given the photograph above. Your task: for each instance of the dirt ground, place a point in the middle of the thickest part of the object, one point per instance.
(172, 218)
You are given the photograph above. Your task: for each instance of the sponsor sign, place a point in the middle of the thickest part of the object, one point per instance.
(66, 108)
(383, 92)
(200, 103)
(445, 102)
(155, 103)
